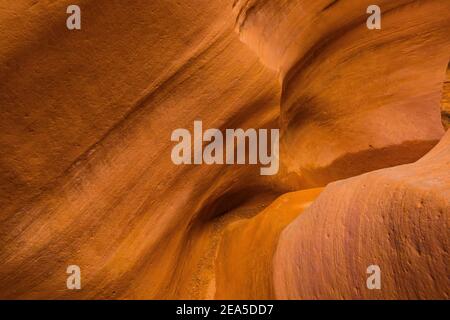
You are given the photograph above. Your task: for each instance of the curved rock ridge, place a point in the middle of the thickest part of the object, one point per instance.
(354, 99)
(396, 218)
(244, 258)
(86, 155)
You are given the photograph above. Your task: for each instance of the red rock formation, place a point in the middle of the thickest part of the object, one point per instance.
(244, 260)
(86, 176)
(396, 218)
(354, 99)
(87, 173)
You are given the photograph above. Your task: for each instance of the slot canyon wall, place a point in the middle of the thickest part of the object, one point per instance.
(86, 175)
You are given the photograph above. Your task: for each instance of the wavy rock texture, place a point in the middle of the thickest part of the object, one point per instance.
(86, 176)
(396, 218)
(341, 81)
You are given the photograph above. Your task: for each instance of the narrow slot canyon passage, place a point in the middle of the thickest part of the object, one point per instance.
(89, 129)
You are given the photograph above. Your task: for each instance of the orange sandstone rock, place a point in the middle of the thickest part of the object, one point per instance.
(354, 99)
(244, 259)
(86, 176)
(396, 218)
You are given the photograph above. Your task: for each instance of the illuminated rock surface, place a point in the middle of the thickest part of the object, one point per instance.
(86, 176)
(396, 218)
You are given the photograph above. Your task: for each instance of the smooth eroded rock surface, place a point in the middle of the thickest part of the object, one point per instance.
(86, 176)
(396, 218)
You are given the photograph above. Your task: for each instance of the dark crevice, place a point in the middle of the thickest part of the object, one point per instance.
(445, 101)
(332, 3)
